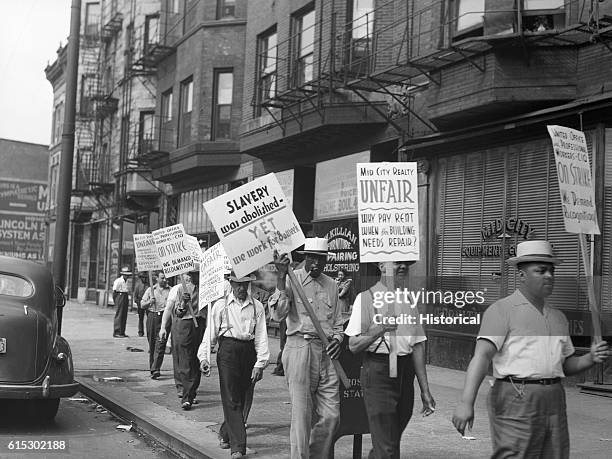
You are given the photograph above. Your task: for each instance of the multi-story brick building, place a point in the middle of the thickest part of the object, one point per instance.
(466, 88)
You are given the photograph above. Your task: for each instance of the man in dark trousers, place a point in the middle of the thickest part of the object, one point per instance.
(121, 299)
(154, 302)
(140, 286)
(238, 322)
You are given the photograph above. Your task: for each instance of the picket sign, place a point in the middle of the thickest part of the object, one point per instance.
(577, 190)
(147, 258)
(212, 280)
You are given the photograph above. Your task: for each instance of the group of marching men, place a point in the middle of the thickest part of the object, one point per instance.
(526, 340)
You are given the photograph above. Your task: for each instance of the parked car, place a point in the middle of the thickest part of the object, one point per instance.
(35, 362)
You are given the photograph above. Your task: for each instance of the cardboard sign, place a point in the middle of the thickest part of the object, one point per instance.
(147, 258)
(174, 253)
(388, 208)
(251, 221)
(576, 183)
(194, 247)
(212, 280)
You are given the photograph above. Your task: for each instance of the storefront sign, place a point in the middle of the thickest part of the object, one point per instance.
(388, 211)
(336, 187)
(23, 196)
(492, 235)
(576, 183)
(22, 236)
(173, 251)
(251, 221)
(212, 280)
(147, 258)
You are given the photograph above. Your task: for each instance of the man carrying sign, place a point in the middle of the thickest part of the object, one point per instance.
(312, 379)
(388, 401)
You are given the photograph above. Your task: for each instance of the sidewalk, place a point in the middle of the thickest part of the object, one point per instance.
(154, 407)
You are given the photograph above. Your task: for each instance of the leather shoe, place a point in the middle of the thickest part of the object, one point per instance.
(186, 406)
(155, 375)
(118, 335)
(237, 454)
(141, 334)
(223, 444)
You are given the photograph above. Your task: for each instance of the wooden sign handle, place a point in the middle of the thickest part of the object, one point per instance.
(315, 321)
(586, 261)
(390, 282)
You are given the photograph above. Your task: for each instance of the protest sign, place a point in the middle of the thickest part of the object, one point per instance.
(174, 252)
(388, 211)
(212, 280)
(575, 180)
(194, 247)
(251, 221)
(147, 258)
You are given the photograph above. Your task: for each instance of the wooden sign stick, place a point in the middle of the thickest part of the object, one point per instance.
(586, 261)
(151, 281)
(315, 321)
(391, 312)
(193, 317)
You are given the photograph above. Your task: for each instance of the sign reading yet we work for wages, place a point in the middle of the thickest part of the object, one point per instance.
(251, 221)
(387, 202)
(575, 180)
(146, 253)
(174, 253)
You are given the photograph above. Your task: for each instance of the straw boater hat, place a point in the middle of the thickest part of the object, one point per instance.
(125, 270)
(315, 246)
(249, 278)
(534, 251)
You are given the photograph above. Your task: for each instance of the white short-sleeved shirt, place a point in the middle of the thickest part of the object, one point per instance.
(362, 321)
(530, 343)
(120, 285)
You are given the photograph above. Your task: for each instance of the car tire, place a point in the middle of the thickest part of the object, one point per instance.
(46, 409)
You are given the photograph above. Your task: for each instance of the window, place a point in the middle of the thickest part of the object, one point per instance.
(361, 28)
(222, 106)
(304, 47)
(146, 137)
(58, 123)
(226, 9)
(266, 65)
(15, 286)
(172, 6)
(152, 31)
(92, 20)
(166, 133)
(166, 106)
(186, 107)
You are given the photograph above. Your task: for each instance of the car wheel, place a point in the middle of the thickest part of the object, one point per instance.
(46, 409)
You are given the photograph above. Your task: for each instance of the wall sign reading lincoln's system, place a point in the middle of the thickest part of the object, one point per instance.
(493, 233)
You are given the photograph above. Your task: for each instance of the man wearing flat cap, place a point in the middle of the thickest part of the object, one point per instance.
(121, 300)
(238, 323)
(310, 374)
(529, 344)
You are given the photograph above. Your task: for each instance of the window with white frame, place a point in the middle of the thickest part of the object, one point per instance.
(267, 58)
(304, 37)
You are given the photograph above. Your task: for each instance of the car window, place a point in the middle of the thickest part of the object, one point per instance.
(15, 286)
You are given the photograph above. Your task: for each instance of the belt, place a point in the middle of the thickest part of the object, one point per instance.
(306, 336)
(223, 338)
(159, 313)
(543, 381)
(383, 357)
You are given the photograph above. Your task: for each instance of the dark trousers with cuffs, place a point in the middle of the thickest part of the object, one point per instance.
(186, 339)
(156, 358)
(121, 313)
(235, 361)
(388, 402)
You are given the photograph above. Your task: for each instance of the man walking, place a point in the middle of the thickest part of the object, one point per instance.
(529, 344)
(388, 401)
(312, 379)
(121, 300)
(154, 302)
(186, 338)
(139, 289)
(238, 322)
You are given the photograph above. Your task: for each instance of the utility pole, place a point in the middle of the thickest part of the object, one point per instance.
(62, 225)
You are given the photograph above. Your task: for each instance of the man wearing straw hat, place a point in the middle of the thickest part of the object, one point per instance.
(121, 300)
(529, 344)
(238, 322)
(310, 374)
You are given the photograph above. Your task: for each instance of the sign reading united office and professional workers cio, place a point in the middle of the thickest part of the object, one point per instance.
(251, 221)
(575, 180)
(174, 252)
(388, 211)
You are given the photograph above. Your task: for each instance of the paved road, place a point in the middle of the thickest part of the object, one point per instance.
(89, 432)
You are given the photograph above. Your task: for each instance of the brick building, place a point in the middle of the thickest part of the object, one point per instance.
(464, 87)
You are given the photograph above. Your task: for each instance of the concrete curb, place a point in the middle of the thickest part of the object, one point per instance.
(174, 441)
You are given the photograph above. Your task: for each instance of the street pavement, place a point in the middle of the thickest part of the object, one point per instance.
(81, 429)
(154, 406)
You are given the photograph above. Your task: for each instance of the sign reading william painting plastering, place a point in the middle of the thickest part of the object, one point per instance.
(575, 180)
(251, 221)
(175, 255)
(212, 280)
(388, 211)
(146, 253)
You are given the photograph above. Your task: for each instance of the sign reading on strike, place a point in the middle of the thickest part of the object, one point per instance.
(174, 253)
(575, 180)
(251, 221)
(146, 253)
(388, 212)
(212, 281)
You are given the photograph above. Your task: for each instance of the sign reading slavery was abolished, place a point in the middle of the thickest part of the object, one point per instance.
(575, 180)
(251, 221)
(147, 258)
(174, 253)
(388, 211)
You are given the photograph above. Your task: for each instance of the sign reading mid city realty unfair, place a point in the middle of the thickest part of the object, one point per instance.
(575, 180)
(147, 258)
(251, 221)
(212, 281)
(174, 253)
(388, 211)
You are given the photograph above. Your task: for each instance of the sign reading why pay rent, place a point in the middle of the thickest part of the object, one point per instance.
(388, 211)
(251, 221)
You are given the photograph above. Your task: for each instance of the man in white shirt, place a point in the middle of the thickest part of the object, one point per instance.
(529, 344)
(238, 322)
(388, 401)
(154, 302)
(121, 299)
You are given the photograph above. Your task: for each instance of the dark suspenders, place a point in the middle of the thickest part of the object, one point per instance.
(229, 326)
(382, 338)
